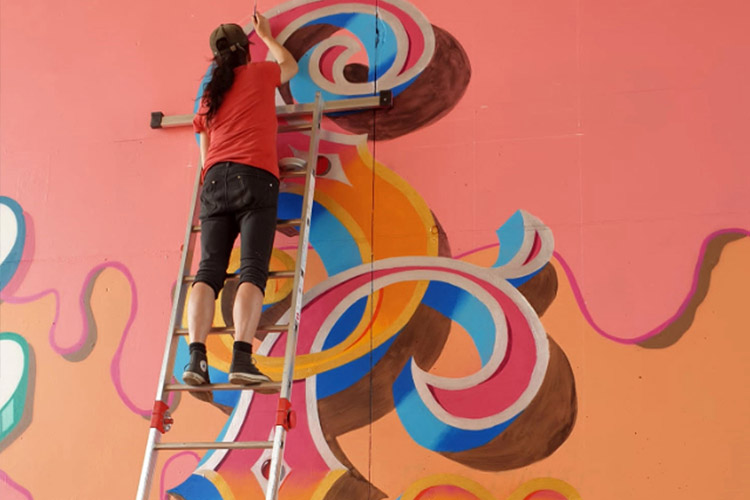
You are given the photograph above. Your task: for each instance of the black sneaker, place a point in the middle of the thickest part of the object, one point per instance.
(196, 373)
(243, 370)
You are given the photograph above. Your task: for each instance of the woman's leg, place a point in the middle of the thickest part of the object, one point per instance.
(201, 306)
(257, 223)
(218, 231)
(248, 304)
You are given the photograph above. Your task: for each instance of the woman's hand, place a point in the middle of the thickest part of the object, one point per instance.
(262, 26)
(280, 53)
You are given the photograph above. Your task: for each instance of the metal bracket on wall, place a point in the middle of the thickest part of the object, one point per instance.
(383, 99)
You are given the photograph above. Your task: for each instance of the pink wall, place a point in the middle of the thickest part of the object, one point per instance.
(615, 128)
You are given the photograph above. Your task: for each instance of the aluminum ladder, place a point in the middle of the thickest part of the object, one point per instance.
(161, 419)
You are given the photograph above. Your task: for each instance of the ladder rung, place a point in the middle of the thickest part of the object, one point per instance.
(265, 387)
(295, 127)
(288, 222)
(280, 223)
(230, 329)
(272, 275)
(242, 445)
(281, 274)
(291, 174)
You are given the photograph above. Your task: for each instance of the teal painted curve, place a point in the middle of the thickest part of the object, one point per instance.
(12, 211)
(15, 359)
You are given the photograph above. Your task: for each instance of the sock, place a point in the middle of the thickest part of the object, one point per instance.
(197, 346)
(243, 346)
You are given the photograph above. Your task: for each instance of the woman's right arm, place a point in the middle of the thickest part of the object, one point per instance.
(285, 59)
(205, 142)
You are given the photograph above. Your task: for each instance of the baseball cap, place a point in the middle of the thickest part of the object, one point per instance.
(233, 34)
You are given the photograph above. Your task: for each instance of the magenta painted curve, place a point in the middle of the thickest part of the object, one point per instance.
(478, 249)
(35, 297)
(327, 60)
(114, 368)
(9, 487)
(655, 331)
(680, 311)
(72, 349)
(165, 471)
(57, 348)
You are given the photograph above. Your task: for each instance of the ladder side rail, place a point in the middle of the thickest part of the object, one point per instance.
(297, 293)
(178, 304)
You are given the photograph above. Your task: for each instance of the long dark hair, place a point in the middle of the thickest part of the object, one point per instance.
(222, 76)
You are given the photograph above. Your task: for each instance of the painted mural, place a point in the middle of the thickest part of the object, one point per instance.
(383, 291)
(465, 334)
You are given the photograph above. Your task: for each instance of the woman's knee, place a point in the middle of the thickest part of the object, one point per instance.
(255, 274)
(211, 278)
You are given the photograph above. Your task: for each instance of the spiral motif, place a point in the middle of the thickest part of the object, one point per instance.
(393, 54)
(455, 414)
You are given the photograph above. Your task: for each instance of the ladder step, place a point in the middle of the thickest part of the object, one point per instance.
(230, 329)
(271, 276)
(295, 127)
(289, 227)
(264, 387)
(292, 174)
(280, 223)
(288, 223)
(281, 274)
(242, 445)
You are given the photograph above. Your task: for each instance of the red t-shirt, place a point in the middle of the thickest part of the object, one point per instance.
(244, 128)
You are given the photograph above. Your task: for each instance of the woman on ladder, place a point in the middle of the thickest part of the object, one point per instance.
(237, 127)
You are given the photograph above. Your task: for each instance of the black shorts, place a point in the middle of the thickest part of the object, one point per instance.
(237, 199)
